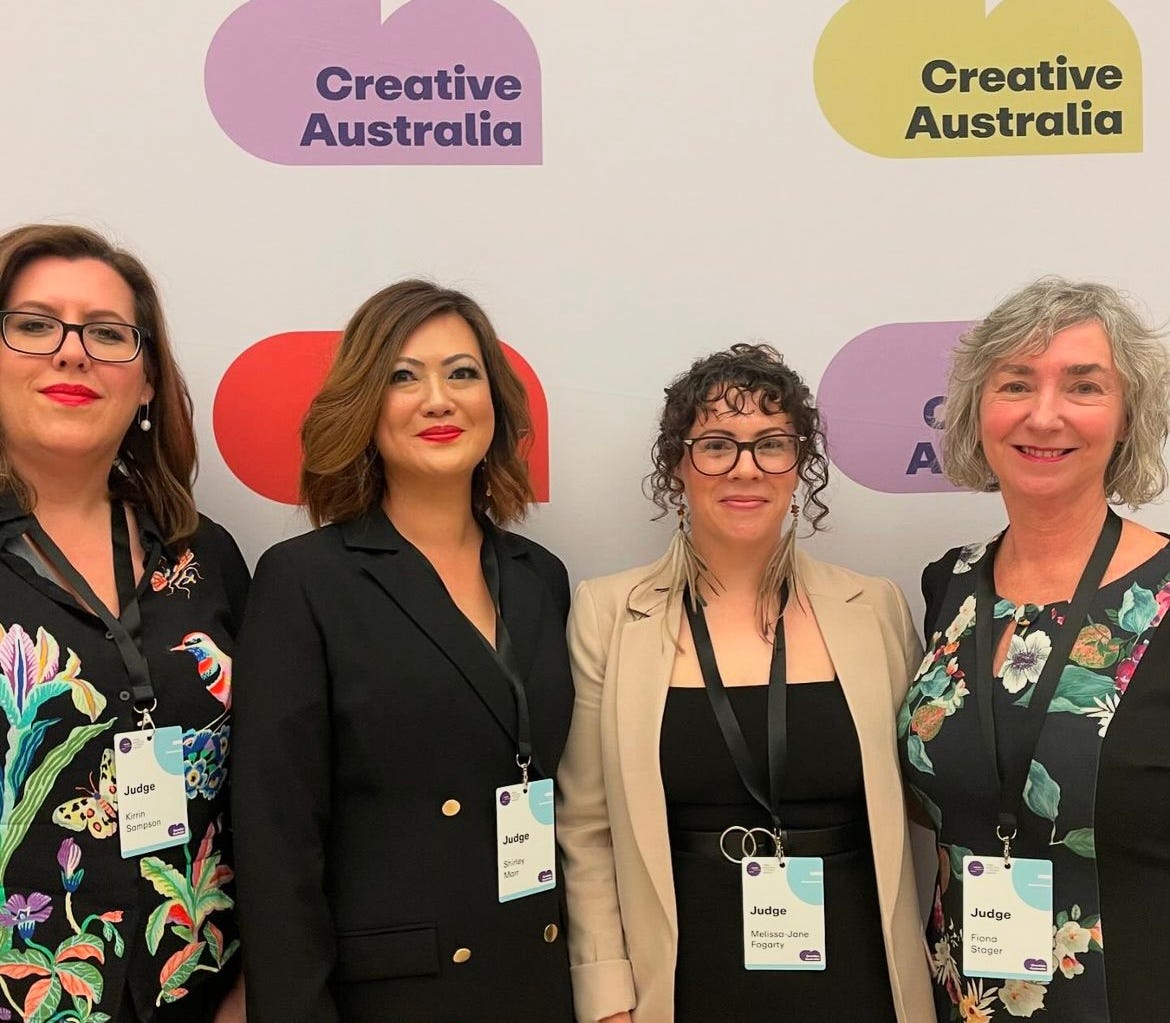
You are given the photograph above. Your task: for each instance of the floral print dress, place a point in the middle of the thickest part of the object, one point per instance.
(85, 935)
(942, 750)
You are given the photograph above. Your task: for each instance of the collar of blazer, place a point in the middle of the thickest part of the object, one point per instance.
(410, 580)
(854, 639)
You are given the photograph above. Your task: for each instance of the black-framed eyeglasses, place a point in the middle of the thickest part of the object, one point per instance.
(713, 455)
(41, 334)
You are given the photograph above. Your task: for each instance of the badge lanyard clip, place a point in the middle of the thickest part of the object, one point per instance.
(505, 658)
(749, 772)
(1009, 778)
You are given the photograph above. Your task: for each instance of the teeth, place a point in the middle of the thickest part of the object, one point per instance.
(1043, 452)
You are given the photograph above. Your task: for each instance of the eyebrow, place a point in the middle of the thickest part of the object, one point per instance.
(446, 362)
(716, 432)
(93, 316)
(1077, 369)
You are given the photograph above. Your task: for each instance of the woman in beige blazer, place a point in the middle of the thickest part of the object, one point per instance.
(654, 908)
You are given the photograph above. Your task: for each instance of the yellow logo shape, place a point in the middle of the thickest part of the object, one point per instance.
(931, 78)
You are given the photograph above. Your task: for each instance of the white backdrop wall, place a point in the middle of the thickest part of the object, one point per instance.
(690, 193)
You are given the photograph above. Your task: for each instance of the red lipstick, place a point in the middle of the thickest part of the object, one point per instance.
(70, 394)
(441, 434)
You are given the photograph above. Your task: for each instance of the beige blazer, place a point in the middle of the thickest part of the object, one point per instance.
(623, 927)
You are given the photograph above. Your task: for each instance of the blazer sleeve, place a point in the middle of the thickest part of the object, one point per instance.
(280, 800)
(911, 645)
(603, 981)
(935, 579)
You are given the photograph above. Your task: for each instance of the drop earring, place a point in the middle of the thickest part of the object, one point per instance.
(144, 423)
(779, 573)
(685, 567)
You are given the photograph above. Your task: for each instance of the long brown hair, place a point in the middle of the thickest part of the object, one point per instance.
(342, 475)
(159, 465)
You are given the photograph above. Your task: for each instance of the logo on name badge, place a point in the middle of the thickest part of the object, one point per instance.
(177, 829)
(125, 745)
(810, 955)
(505, 798)
(975, 868)
(1036, 965)
(544, 875)
(753, 869)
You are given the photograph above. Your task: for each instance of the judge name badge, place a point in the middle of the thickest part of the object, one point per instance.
(783, 913)
(1007, 918)
(526, 847)
(152, 796)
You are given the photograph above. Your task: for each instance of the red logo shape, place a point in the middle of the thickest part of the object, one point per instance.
(266, 391)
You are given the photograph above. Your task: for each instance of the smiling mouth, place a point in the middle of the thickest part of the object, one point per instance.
(70, 394)
(1044, 454)
(441, 434)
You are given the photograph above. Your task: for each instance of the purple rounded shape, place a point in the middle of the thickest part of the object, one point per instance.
(975, 868)
(753, 869)
(505, 798)
(124, 745)
(880, 396)
(1037, 965)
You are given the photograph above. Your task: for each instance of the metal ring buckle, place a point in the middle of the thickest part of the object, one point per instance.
(143, 713)
(770, 837)
(742, 846)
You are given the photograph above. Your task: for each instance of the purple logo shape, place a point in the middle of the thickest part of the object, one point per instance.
(505, 798)
(880, 396)
(810, 955)
(753, 869)
(975, 868)
(125, 745)
(177, 829)
(544, 875)
(1036, 965)
(327, 82)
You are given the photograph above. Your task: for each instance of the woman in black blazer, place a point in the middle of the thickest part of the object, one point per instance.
(399, 669)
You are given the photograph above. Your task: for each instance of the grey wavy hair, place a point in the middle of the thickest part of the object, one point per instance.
(1025, 323)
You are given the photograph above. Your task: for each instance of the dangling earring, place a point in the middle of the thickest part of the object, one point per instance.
(487, 483)
(144, 423)
(684, 566)
(779, 573)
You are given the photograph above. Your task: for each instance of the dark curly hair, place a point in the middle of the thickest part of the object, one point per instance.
(738, 376)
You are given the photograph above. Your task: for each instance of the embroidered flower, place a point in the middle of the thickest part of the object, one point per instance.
(1127, 667)
(24, 914)
(963, 620)
(1025, 660)
(1022, 997)
(1105, 709)
(975, 1004)
(1068, 942)
(69, 859)
(943, 965)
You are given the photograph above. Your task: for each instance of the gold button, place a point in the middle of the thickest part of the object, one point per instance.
(451, 807)
(550, 933)
(461, 955)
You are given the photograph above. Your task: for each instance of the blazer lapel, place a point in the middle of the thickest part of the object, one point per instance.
(645, 661)
(855, 644)
(413, 584)
(521, 599)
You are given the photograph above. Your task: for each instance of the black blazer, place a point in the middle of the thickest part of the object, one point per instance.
(373, 726)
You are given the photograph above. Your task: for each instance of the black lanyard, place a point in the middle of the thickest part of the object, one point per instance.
(505, 656)
(765, 787)
(1018, 759)
(126, 630)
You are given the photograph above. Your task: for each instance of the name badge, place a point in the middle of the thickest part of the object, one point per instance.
(526, 846)
(1007, 918)
(152, 799)
(783, 913)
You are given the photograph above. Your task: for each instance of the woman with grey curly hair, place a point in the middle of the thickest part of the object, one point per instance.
(668, 776)
(1033, 732)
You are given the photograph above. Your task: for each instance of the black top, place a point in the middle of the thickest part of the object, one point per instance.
(376, 727)
(1098, 797)
(79, 925)
(704, 793)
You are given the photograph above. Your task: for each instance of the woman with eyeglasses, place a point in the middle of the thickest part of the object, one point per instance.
(119, 603)
(731, 817)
